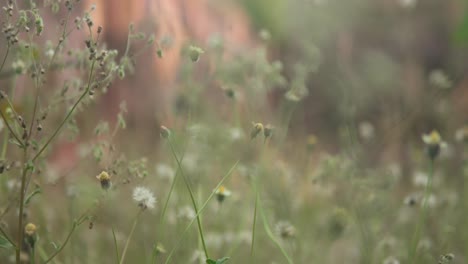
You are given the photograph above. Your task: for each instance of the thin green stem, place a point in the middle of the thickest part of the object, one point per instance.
(5, 57)
(68, 114)
(194, 203)
(124, 252)
(62, 246)
(413, 256)
(252, 245)
(115, 246)
(201, 210)
(272, 236)
(21, 207)
(33, 256)
(7, 237)
(11, 130)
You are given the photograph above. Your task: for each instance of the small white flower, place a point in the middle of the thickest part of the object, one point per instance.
(408, 3)
(236, 133)
(420, 179)
(144, 197)
(165, 171)
(391, 260)
(186, 213)
(366, 130)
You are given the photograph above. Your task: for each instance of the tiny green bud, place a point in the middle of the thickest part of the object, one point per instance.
(160, 53)
(165, 132)
(268, 131)
(194, 53)
(256, 129)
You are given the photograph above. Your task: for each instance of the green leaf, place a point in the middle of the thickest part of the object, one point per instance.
(30, 196)
(4, 243)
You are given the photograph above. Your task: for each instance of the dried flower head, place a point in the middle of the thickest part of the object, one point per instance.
(256, 129)
(30, 229)
(105, 180)
(268, 131)
(144, 197)
(285, 229)
(222, 193)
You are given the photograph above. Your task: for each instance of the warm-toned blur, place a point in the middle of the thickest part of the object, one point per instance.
(152, 91)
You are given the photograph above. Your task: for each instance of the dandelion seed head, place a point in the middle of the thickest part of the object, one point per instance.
(144, 197)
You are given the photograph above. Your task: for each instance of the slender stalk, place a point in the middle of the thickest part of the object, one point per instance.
(33, 256)
(5, 57)
(7, 237)
(122, 259)
(62, 246)
(194, 203)
(252, 245)
(413, 256)
(21, 207)
(201, 210)
(68, 114)
(115, 246)
(11, 130)
(272, 236)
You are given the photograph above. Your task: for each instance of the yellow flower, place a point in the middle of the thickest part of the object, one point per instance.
(311, 141)
(256, 129)
(30, 229)
(105, 180)
(222, 193)
(432, 139)
(433, 142)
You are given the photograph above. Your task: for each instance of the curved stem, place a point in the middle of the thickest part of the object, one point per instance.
(194, 203)
(68, 114)
(413, 256)
(5, 57)
(75, 225)
(201, 210)
(130, 237)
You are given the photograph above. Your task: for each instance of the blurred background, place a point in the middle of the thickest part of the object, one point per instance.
(348, 86)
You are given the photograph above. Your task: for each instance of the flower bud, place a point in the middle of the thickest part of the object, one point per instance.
(165, 132)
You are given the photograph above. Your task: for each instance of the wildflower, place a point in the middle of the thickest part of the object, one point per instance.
(366, 130)
(186, 213)
(461, 135)
(235, 133)
(194, 53)
(30, 232)
(408, 3)
(159, 249)
(104, 179)
(439, 79)
(268, 131)
(165, 171)
(285, 229)
(410, 200)
(433, 142)
(222, 193)
(391, 260)
(144, 197)
(311, 142)
(165, 132)
(256, 129)
(447, 258)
